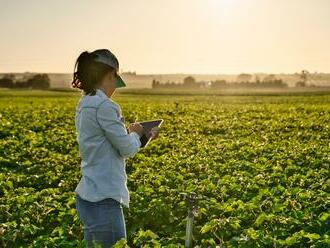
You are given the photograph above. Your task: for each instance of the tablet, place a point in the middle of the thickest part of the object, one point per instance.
(148, 125)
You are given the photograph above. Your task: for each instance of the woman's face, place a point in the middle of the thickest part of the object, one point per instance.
(109, 83)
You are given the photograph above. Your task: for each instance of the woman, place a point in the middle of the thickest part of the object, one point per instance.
(104, 144)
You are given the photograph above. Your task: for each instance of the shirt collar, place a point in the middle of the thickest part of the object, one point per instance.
(101, 93)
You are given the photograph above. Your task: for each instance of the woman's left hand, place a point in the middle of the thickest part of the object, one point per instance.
(154, 133)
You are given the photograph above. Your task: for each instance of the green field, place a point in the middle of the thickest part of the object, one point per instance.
(260, 162)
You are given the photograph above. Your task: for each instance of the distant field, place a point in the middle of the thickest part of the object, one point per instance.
(139, 81)
(262, 163)
(182, 92)
(222, 92)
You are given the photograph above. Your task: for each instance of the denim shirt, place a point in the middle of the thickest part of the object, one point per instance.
(104, 146)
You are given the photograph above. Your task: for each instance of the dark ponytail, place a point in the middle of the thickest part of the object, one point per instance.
(88, 73)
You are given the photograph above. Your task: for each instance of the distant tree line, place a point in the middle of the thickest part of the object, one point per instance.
(304, 78)
(243, 81)
(38, 81)
(188, 82)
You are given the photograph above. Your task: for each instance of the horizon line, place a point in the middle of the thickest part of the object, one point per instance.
(174, 73)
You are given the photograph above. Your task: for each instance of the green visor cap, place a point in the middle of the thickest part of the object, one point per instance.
(120, 82)
(106, 57)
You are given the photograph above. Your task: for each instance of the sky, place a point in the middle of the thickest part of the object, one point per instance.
(167, 36)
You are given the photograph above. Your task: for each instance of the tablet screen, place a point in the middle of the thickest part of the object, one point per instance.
(148, 125)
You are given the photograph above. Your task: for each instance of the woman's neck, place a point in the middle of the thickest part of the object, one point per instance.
(107, 92)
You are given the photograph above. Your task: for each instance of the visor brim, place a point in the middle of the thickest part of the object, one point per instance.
(120, 82)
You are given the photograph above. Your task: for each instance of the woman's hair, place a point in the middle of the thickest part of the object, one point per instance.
(88, 73)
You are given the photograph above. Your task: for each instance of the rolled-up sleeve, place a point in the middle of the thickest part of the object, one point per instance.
(127, 144)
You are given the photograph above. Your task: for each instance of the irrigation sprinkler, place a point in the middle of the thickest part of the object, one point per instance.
(191, 201)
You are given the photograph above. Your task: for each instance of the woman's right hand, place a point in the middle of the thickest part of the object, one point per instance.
(136, 127)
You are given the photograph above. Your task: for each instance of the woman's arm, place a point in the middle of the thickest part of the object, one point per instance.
(126, 143)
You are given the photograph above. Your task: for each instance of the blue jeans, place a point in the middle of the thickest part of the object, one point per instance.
(103, 221)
